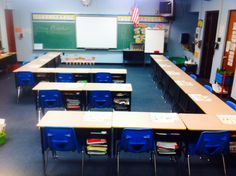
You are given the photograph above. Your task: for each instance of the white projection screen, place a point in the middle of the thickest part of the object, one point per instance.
(96, 32)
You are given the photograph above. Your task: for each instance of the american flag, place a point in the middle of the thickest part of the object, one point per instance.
(135, 15)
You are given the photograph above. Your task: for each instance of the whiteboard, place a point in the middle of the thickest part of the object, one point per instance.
(154, 40)
(96, 32)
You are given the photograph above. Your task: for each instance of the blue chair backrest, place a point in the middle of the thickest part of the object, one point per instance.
(50, 99)
(103, 77)
(65, 77)
(137, 140)
(101, 99)
(209, 88)
(193, 76)
(213, 143)
(25, 78)
(174, 62)
(60, 139)
(184, 68)
(231, 104)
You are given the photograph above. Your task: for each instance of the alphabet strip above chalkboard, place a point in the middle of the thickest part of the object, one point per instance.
(120, 18)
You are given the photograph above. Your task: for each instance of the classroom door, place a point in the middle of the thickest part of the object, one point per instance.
(229, 62)
(208, 44)
(10, 30)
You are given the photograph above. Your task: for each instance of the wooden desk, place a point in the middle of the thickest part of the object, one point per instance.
(86, 124)
(7, 59)
(213, 105)
(146, 120)
(50, 59)
(76, 119)
(204, 122)
(44, 68)
(121, 92)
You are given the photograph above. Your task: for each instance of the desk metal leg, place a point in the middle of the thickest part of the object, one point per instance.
(44, 153)
(18, 94)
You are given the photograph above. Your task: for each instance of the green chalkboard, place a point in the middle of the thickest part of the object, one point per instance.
(125, 35)
(55, 35)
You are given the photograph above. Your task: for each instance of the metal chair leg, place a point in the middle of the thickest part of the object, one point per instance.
(39, 114)
(18, 94)
(189, 169)
(155, 163)
(45, 162)
(223, 159)
(118, 163)
(82, 169)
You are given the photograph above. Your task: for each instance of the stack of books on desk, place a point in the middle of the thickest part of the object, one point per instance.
(167, 148)
(73, 104)
(96, 146)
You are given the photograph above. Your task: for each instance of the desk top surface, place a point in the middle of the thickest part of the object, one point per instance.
(83, 86)
(39, 62)
(201, 122)
(5, 55)
(164, 121)
(76, 119)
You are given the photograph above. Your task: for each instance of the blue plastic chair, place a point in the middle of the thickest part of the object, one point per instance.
(193, 76)
(210, 144)
(60, 139)
(24, 79)
(231, 104)
(101, 99)
(103, 77)
(209, 88)
(174, 62)
(136, 141)
(184, 68)
(49, 99)
(65, 77)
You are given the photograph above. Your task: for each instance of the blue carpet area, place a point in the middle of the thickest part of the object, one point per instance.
(21, 155)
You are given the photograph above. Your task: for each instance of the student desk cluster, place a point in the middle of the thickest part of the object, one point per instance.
(45, 69)
(200, 110)
(205, 110)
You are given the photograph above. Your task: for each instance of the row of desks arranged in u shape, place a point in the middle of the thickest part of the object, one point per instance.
(46, 67)
(199, 111)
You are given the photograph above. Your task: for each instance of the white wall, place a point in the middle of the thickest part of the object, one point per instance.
(22, 10)
(223, 6)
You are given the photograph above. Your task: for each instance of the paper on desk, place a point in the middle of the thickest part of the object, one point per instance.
(183, 83)
(95, 117)
(227, 119)
(200, 97)
(164, 117)
(172, 73)
(165, 65)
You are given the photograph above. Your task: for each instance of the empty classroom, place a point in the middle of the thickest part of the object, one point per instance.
(126, 88)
